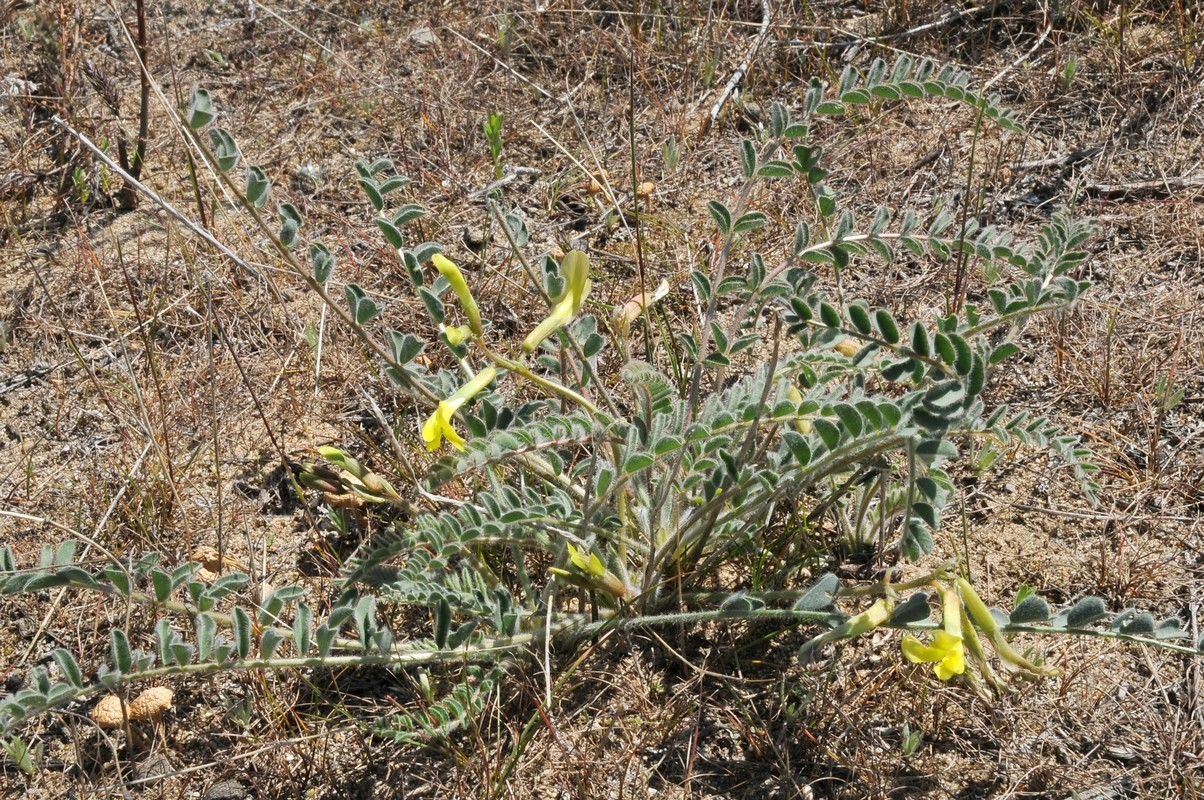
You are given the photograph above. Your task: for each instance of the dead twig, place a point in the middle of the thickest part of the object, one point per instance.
(1071, 158)
(1160, 187)
(741, 71)
(860, 27)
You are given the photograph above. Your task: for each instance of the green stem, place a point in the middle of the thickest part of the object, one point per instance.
(558, 389)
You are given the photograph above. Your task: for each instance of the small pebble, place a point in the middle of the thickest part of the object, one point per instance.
(474, 239)
(153, 767)
(225, 790)
(423, 37)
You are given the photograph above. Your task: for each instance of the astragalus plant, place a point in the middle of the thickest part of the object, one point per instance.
(710, 478)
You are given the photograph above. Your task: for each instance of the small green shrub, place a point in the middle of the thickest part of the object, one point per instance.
(707, 485)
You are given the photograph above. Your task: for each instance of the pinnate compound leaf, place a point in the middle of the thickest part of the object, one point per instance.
(269, 640)
(750, 222)
(241, 627)
(162, 585)
(748, 158)
(391, 232)
(323, 262)
(119, 646)
(393, 184)
(404, 347)
(372, 193)
(302, 629)
(443, 619)
(739, 603)
(1170, 628)
(206, 629)
(258, 186)
(722, 217)
(225, 151)
(1139, 625)
(363, 308)
(68, 667)
(290, 224)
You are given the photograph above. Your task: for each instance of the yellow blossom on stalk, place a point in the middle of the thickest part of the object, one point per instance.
(452, 273)
(438, 426)
(594, 574)
(575, 271)
(947, 652)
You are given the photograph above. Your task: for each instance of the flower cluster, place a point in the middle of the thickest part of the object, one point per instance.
(966, 621)
(575, 271)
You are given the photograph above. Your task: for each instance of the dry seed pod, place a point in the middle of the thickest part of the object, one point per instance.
(598, 181)
(109, 712)
(345, 500)
(848, 348)
(151, 703)
(212, 563)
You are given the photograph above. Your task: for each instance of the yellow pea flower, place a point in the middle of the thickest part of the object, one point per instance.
(947, 652)
(575, 271)
(451, 272)
(438, 426)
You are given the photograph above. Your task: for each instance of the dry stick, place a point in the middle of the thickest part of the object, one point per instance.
(144, 88)
(215, 424)
(1024, 57)
(159, 201)
(641, 267)
(235, 258)
(144, 84)
(502, 64)
(948, 19)
(512, 174)
(740, 72)
(165, 451)
(1160, 187)
(1070, 159)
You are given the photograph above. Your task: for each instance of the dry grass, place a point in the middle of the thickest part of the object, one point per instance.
(152, 392)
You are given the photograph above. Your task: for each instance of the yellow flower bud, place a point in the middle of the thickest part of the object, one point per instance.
(848, 348)
(575, 271)
(457, 335)
(1009, 659)
(452, 273)
(593, 573)
(803, 426)
(866, 621)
